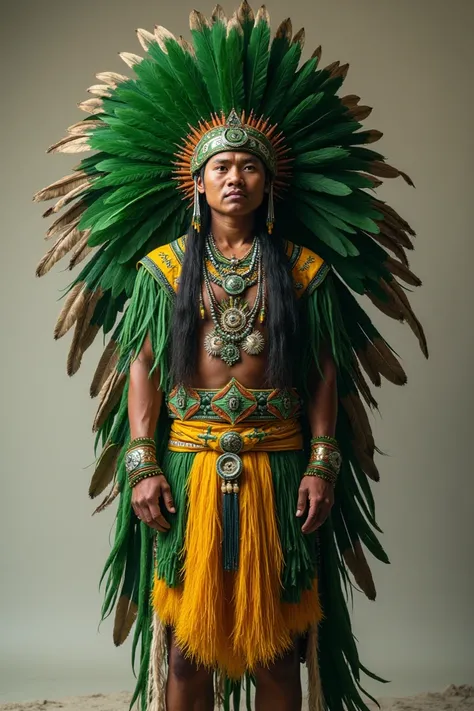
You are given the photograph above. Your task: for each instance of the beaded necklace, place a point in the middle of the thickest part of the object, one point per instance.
(233, 275)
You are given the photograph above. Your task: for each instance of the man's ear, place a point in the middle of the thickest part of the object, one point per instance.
(200, 185)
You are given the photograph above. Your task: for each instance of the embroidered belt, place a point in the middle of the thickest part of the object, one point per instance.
(233, 404)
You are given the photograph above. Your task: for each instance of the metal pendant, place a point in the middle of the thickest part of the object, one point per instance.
(233, 315)
(229, 466)
(234, 284)
(213, 344)
(230, 354)
(254, 343)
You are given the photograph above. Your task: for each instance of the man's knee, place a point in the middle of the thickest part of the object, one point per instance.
(283, 670)
(183, 669)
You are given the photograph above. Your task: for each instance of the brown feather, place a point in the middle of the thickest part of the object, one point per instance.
(394, 290)
(107, 363)
(218, 15)
(111, 78)
(61, 187)
(360, 113)
(245, 12)
(187, 46)
(357, 563)
(368, 367)
(75, 300)
(66, 199)
(81, 251)
(70, 144)
(350, 101)
(390, 229)
(315, 692)
(402, 272)
(382, 359)
(62, 246)
(125, 616)
(284, 29)
(130, 59)
(197, 21)
(109, 397)
(262, 15)
(317, 53)
(84, 335)
(389, 243)
(109, 498)
(299, 38)
(105, 469)
(384, 170)
(145, 38)
(372, 137)
(359, 420)
(366, 462)
(66, 219)
(363, 386)
(393, 217)
(386, 307)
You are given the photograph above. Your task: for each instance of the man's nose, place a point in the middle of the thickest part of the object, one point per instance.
(234, 177)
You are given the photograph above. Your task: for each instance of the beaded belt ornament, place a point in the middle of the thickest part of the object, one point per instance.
(233, 403)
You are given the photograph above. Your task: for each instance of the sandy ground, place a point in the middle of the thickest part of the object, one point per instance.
(453, 698)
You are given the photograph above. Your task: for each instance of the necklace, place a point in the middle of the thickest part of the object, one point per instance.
(233, 275)
(234, 321)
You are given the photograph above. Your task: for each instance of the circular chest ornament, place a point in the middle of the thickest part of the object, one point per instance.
(213, 344)
(234, 284)
(254, 343)
(229, 466)
(233, 319)
(230, 354)
(231, 442)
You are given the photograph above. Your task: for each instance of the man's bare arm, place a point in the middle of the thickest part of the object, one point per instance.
(144, 404)
(314, 492)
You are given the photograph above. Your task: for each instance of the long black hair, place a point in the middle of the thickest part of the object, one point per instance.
(282, 313)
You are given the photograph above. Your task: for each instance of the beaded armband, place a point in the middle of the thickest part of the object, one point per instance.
(325, 460)
(140, 460)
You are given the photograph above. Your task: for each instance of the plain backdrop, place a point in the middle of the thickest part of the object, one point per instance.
(412, 61)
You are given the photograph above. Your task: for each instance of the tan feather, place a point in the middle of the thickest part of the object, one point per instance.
(84, 334)
(109, 397)
(218, 15)
(106, 364)
(70, 144)
(130, 59)
(315, 691)
(156, 689)
(81, 251)
(87, 339)
(66, 199)
(66, 219)
(61, 187)
(62, 246)
(357, 563)
(299, 38)
(125, 615)
(105, 469)
(84, 128)
(234, 24)
(100, 90)
(76, 301)
(383, 360)
(109, 498)
(92, 106)
(402, 272)
(187, 46)
(262, 15)
(162, 36)
(145, 38)
(392, 245)
(245, 12)
(112, 79)
(197, 21)
(284, 29)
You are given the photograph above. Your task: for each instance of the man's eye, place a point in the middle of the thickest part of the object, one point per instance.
(249, 167)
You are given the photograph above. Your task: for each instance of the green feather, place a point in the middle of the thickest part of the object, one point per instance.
(300, 113)
(207, 63)
(331, 236)
(303, 84)
(320, 183)
(256, 65)
(320, 157)
(274, 103)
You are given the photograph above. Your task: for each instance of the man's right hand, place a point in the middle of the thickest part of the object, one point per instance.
(145, 502)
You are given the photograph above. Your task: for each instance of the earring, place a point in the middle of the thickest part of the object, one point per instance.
(196, 221)
(271, 210)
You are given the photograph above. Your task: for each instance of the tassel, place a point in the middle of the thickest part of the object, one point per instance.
(196, 221)
(271, 211)
(156, 691)
(230, 518)
(315, 694)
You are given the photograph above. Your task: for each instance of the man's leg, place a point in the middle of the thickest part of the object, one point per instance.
(279, 685)
(188, 688)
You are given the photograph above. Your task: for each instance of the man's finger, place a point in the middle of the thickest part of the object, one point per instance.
(167, 498)
(311, 522)
(157, 517)
(302, 502)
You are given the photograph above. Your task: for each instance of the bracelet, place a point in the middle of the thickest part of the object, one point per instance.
(138, 455)
(321, 473)
(325, 452)
(322, 439)
(142, 440)
(144, 474)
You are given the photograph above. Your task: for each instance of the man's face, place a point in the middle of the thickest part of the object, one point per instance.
(234, 183)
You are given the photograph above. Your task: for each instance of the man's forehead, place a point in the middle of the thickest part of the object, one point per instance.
(235, 157)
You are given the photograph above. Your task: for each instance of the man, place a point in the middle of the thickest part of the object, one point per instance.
(231, 418)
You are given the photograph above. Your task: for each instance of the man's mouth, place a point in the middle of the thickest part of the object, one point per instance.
(235, 194)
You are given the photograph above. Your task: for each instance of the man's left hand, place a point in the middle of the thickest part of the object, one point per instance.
(317, 495)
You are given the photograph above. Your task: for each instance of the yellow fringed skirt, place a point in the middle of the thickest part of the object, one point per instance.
(234, 621)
